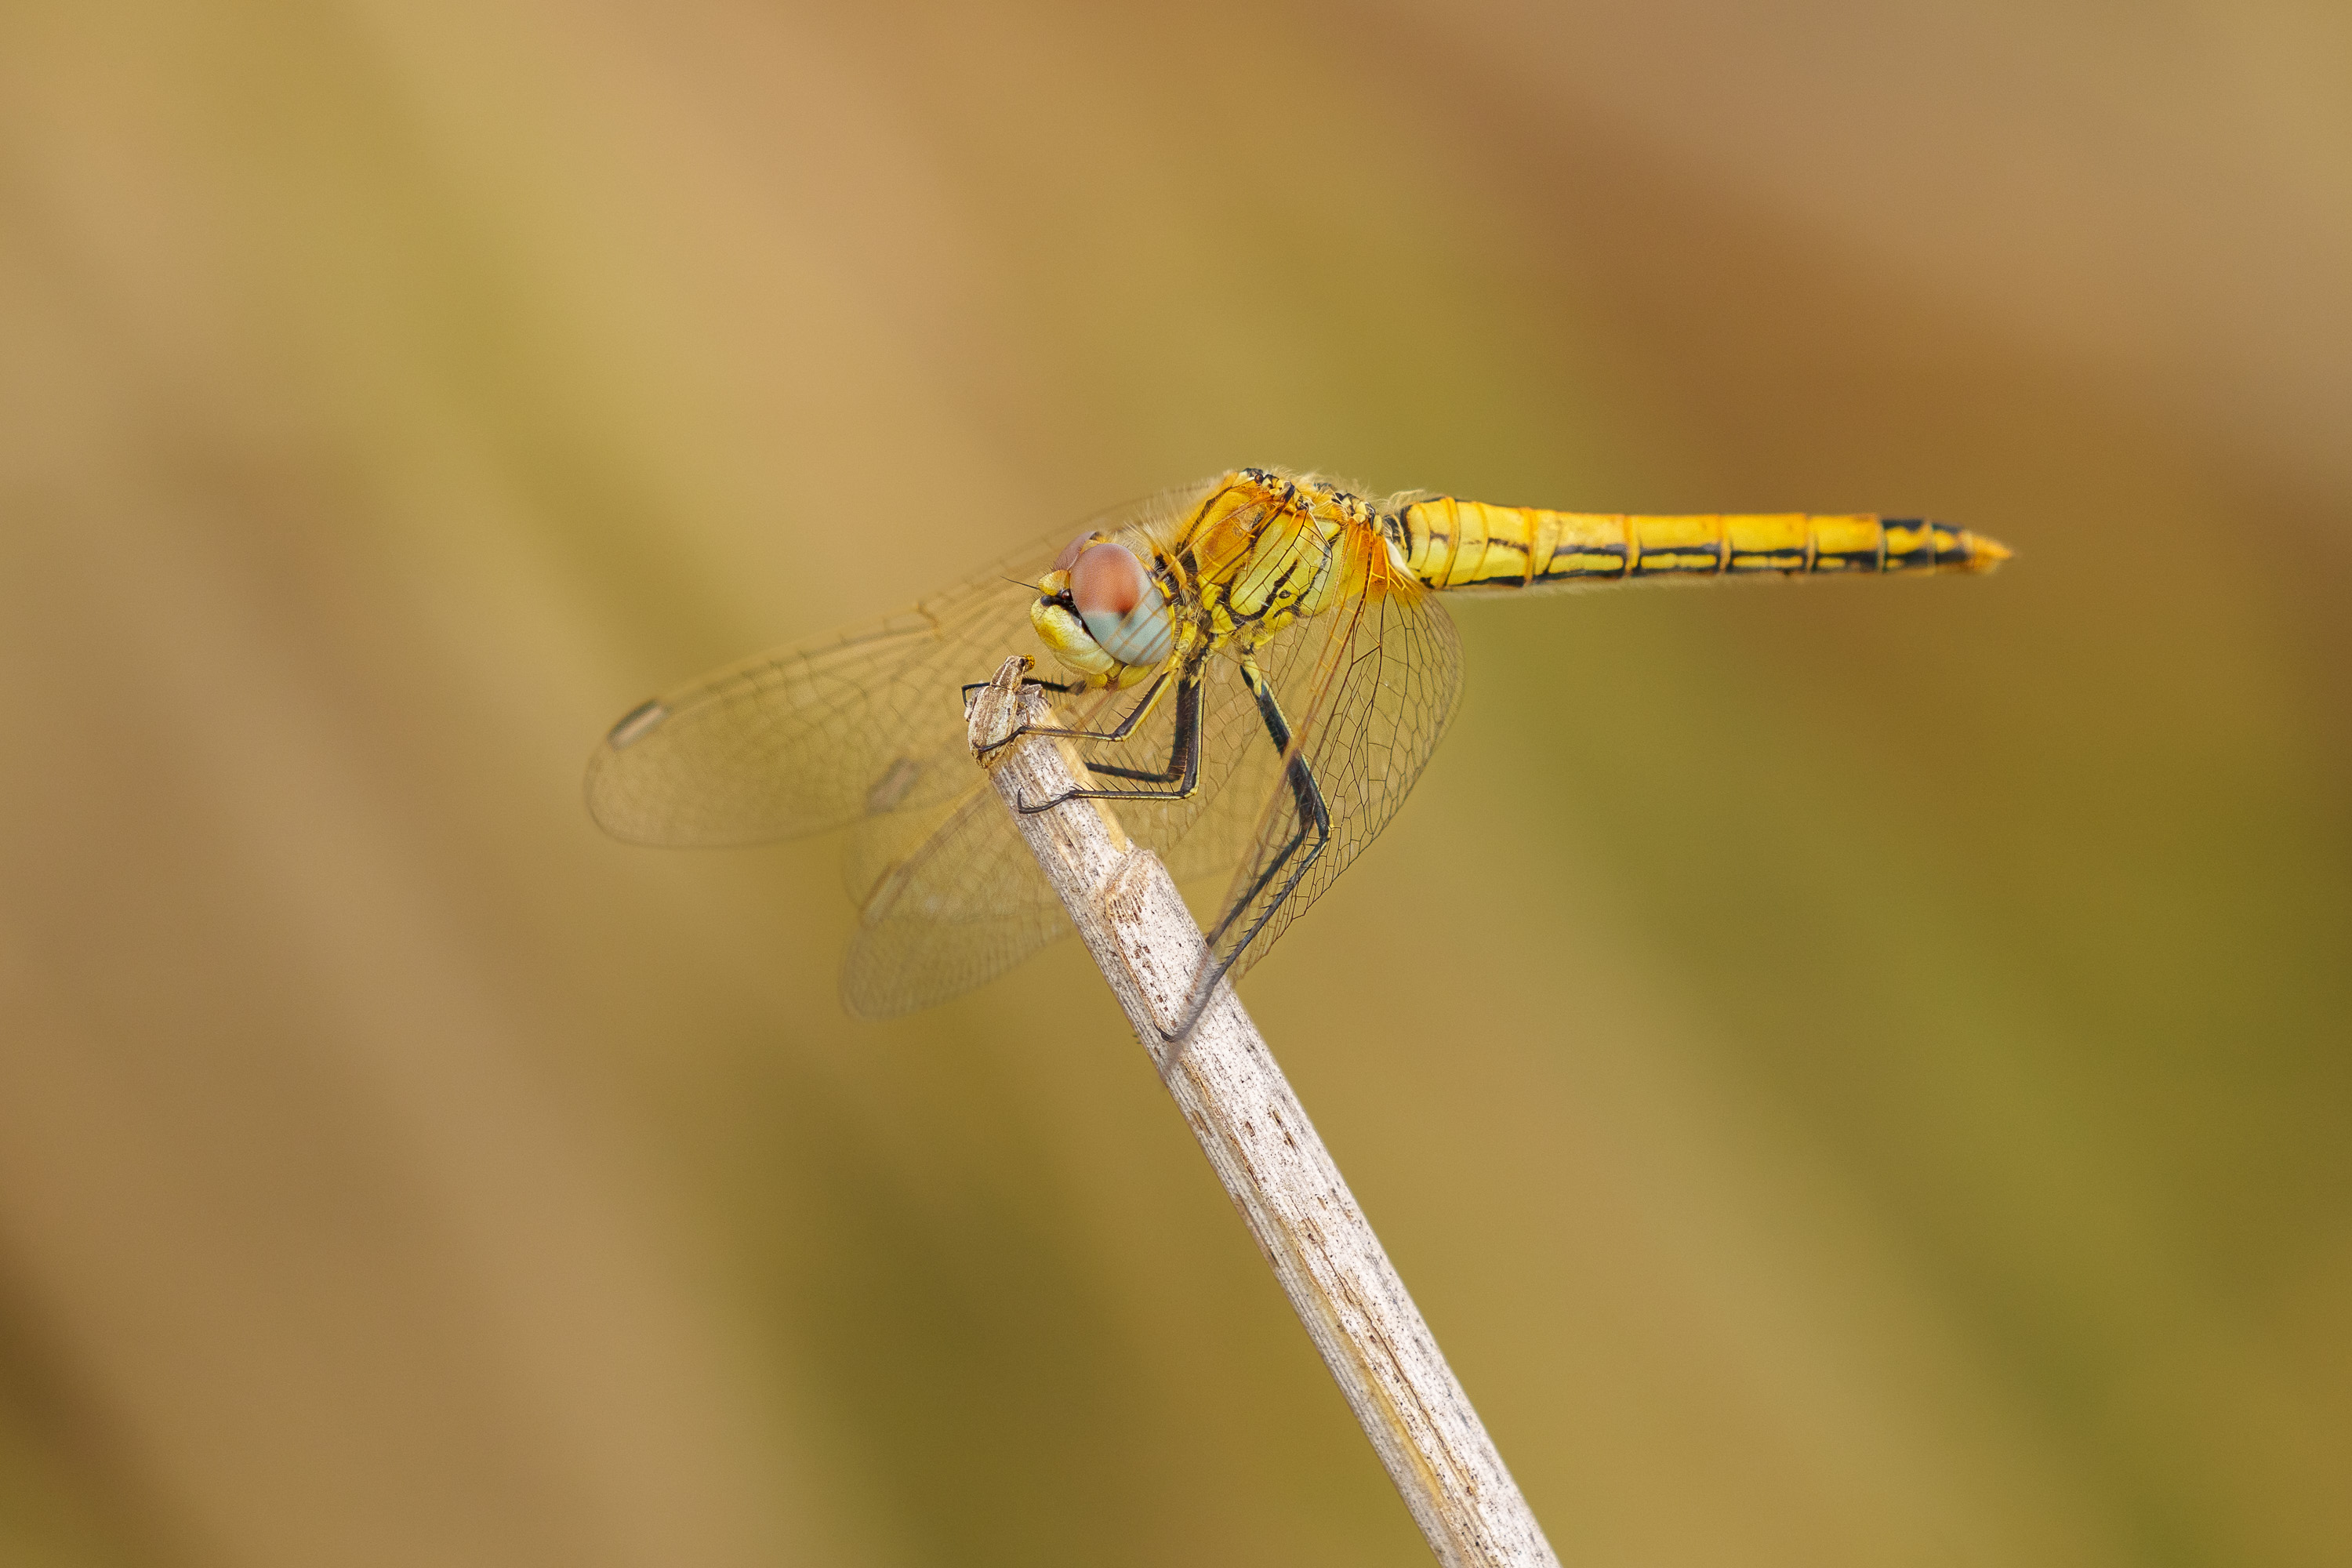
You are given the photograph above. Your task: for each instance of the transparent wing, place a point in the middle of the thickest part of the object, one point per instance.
(1367, 690)
(951, 896)
(860, 723)
(864, 728)
(947, 894)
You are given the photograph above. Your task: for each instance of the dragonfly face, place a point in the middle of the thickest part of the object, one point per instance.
(1102, 615)
(1258, 666)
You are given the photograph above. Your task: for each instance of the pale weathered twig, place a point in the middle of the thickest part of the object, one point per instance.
(1276, 1169)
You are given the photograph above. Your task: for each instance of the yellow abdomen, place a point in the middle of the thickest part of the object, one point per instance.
(1461, 544)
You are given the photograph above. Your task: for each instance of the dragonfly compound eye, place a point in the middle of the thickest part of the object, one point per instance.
(1121, 605)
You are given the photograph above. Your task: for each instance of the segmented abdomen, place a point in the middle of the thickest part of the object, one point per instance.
(1451, 543)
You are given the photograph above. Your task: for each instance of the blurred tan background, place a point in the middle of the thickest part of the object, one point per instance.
(1891, 1098)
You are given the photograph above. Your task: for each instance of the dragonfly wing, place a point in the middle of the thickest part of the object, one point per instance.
(952, 898)
(864, 728)
(1202, 839)
(1368, 687)
(949, 898)
(860, 723)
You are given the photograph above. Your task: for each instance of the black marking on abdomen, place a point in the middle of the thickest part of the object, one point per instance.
(1553, 569)
(1921, 557)
(1850, 560)
(1955, 558)
(1784, 561)
(1679, 561)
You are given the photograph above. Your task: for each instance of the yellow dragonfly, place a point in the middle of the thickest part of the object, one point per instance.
(1255, 667)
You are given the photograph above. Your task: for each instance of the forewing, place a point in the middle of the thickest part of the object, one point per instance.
(1368, 689)
(860, 723)
(865, 728)
(950, 897)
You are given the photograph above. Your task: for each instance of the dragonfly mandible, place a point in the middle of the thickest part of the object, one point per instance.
(1256, 668)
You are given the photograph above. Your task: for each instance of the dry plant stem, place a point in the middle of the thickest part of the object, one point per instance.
(1264, 1150)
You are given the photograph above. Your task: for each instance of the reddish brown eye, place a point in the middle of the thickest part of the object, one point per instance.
(1071, 552)
(1107, 580)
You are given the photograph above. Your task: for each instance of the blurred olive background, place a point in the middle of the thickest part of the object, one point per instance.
(1876, 1089)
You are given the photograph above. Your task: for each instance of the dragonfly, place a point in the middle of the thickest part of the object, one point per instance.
(1255, 669)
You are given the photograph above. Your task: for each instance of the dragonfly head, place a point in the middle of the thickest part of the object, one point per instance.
(1101, 614)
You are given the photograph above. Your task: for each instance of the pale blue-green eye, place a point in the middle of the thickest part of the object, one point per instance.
(1121, 605)
(1141, 637)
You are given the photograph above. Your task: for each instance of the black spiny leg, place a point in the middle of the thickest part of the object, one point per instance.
(971, 685)
(1183, 769)
(1124, 727)
(1183, 748)
(1314, 819)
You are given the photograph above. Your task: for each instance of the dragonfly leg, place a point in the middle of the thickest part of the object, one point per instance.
(1314, 821)
(971, 685)
(1183, 748)
(1120, 731)
(1183, 769)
